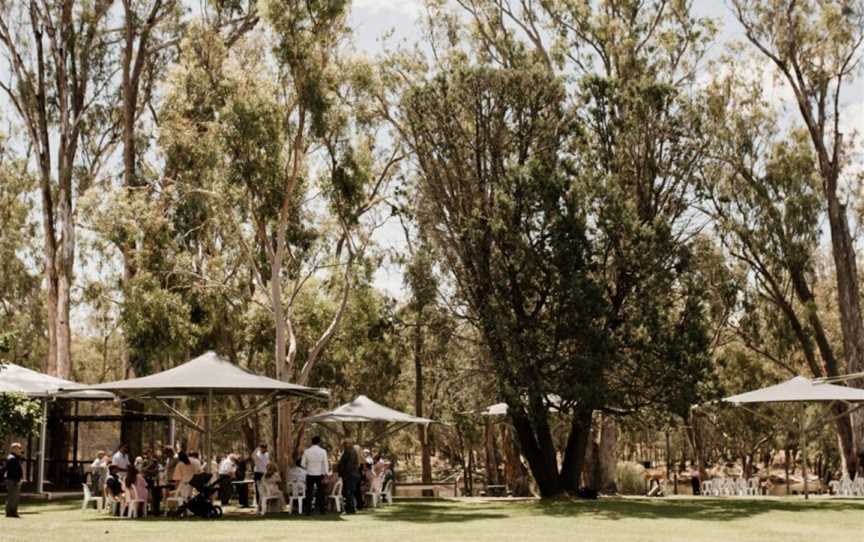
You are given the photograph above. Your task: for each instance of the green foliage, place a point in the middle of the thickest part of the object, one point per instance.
(21, 302)
(19, 416)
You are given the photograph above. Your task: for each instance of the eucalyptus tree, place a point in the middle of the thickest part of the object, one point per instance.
(817, 48)
(270, 150)
(58, 61)
(763, 194)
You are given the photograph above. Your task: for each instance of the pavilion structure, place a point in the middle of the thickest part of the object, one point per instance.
(207, 377)
(45, 388)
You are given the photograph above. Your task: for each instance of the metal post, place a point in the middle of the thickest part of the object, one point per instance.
(40, 480)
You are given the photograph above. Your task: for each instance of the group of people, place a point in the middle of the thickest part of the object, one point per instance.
(119, 479)
(359, 471)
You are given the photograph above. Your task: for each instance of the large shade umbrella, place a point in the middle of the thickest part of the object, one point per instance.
(800, 390)
(206, 377)
(365, 410)
(35, 385)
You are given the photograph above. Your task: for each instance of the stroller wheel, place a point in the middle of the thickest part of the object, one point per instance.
(215, 513)
(219, 510)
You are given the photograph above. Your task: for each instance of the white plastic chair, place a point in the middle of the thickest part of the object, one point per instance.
(387, 492)
(753, 488)
(266, 497)
(88, 498)
(336, 495)
(130, 504)
(296, 493)
(375, 490)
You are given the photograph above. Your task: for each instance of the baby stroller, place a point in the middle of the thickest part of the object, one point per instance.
(200, 504)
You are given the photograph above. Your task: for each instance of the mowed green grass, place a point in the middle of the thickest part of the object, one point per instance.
(691, 520)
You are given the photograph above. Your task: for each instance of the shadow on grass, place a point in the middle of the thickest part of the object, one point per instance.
(439, 512)
(689, 509)
(446, 511)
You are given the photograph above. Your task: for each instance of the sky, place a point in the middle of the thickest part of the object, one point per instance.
(371, 19)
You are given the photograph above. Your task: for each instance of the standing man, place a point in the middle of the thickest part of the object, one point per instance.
(261, 458)
(347, 469)
(120, 459)
(14, 474)
(316, 465)
(227, 468)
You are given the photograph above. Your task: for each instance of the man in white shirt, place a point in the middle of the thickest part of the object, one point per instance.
(317, 467)
(227, 468)
(120, 459)
(261, 458)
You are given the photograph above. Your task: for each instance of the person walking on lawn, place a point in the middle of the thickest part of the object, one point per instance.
(14, 474)
(347, 469)
(317, 467)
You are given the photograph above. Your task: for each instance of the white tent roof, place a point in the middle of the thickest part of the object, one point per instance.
(498, 409)
(502, 409)
(36, 385)
(797, 390)
(197, 377)
(364, 410)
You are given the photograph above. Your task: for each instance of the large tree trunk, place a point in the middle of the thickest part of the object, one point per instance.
(848, 297)
(492, 457)
(607, 456)
(422, 430)
(574, 452)
(515, 474)
(535, 442)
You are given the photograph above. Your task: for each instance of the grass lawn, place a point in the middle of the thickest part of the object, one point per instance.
(691, 520)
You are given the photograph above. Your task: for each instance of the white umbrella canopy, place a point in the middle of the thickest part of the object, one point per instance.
(799, 390)
(199, 377)
(365, 410)
(36, 385)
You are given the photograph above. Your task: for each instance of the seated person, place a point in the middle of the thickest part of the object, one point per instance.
(270, 483)
(330, 481)
(135, 486)
(98, 473)
(113, 489)
(297, 473)
(183, 473)
(195, 460)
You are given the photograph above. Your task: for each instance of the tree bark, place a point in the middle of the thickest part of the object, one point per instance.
(574, 453)
(608, 455)
(422, 430)
(515, 473)
(491, 449)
